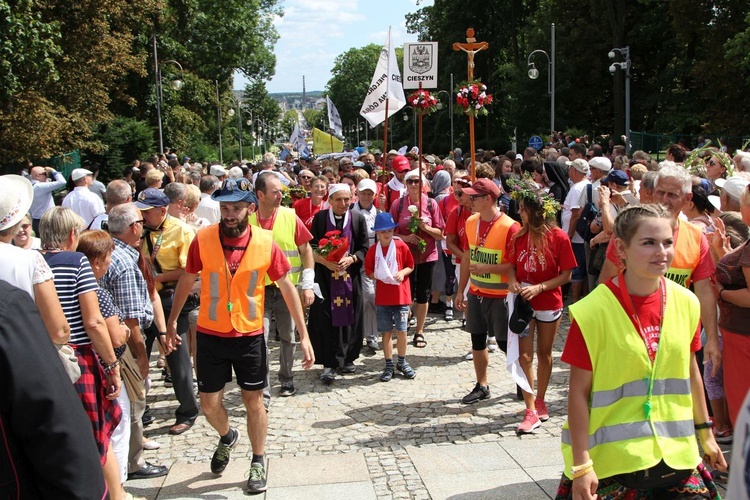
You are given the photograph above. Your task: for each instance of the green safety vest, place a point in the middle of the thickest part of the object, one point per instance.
(284, 229)
(621, 438)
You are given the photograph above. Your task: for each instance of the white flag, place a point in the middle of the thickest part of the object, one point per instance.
(334, 120)
(298, 141)
(385, 86)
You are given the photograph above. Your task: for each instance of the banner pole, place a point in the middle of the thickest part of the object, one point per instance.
(419, 123)
(384, 156)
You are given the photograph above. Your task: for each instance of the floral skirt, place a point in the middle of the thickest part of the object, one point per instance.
(698, 486)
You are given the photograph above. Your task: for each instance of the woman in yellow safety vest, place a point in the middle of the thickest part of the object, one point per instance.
(636, 398)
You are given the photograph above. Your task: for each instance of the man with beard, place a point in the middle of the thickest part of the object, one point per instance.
(234, 259)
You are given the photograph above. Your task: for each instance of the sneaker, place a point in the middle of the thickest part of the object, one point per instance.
(221, 456)
(412, 322)
(328, 376)
(530, 422)
(724, 437)
(287, 389)
(349, 368)
(372, 344)
(168, 380)
(406, 370)
(161, 362)
(150, 445)
(477, 394)
(256, 483)
(492, 345)
(387, 374)
(469, 356)
(541, 410)
(448, 315)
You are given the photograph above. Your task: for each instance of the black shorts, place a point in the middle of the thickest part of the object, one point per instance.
(486, 316)
(216, 356)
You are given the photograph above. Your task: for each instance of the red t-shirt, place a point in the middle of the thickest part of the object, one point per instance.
(447, 204)
(648, 309)
(456, 224)
(705, 268)
(302, 235)
(278, 268)
(306, 211)
(558, 257)
(391, 295)
(482, 229)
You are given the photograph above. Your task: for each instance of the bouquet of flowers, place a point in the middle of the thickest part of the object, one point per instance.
(472, 98)
(333, 247)
(286, 199)
(422, 102)
(414, 227)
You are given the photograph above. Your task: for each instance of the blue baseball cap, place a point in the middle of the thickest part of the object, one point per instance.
(384, 222)
(618, 177)
(151, 198)
(234, 190)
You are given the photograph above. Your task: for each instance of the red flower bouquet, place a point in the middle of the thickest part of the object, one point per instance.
(472, 98)
(422, 102)
(333, 247)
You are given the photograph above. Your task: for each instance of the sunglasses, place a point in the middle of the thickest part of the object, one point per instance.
(305, 177)
(25, 226)
(473, 197)
(413, 181)
(136, 222)
(458, 193)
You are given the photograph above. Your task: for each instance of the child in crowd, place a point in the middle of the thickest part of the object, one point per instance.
(389, 262)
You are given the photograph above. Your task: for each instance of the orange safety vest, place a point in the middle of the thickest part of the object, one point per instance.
(687, 252)
(233, 302)
(491, 252)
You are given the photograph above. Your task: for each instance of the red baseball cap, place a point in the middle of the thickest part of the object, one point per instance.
(400, 163)
(483, 187)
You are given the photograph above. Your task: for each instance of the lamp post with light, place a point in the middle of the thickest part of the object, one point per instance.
(623, 65)
(177, 84)
(534, 74)
(230, 112)
(406, 119)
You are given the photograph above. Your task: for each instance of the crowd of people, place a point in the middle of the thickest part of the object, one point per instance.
(337, 256)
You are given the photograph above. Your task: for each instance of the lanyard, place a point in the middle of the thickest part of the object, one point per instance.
(480, 241)
(630, 310)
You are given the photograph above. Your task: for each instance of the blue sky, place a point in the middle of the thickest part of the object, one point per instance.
(313, 32)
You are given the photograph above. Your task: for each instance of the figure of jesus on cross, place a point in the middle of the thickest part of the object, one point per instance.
(471, 47)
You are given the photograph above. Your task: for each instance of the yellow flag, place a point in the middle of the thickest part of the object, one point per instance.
(322, 143)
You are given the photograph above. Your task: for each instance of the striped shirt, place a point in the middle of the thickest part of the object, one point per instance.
(73, 278)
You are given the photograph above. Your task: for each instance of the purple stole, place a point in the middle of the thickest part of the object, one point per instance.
(342, 305)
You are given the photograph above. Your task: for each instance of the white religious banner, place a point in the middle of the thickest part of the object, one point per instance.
(385, 86)
(421, 65)
(298, 141)
(334, 119)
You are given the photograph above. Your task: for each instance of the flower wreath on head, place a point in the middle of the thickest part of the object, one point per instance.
(472, 98)
(526, 190)
(695, 165)
(422, 102)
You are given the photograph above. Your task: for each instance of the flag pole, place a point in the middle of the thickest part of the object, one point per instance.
(384, 156)
(387, 100)
(419, 122)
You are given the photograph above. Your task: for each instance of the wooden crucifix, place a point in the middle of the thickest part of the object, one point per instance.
(471, 47)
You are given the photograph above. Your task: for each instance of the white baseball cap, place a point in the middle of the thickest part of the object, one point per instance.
(366, 184)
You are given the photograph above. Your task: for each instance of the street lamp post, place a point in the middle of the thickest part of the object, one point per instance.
(261, 130)
(230, 112)
(176, 85)
(623, 65)
(534, 74)
(406, 119)
(450, 107)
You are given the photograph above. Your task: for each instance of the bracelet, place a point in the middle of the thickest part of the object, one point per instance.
(583, 472)
(542, 285)
(720, 292)
(108, 368)
(585, 465)
(705, 425)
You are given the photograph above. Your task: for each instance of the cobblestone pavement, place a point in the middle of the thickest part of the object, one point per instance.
(358, 413)
(361, 416)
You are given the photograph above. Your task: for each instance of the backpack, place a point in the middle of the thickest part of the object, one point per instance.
(588, 214)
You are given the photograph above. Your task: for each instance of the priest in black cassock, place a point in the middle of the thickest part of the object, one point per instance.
(335, 321)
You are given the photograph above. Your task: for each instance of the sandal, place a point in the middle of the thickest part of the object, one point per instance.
(406, 370)
(387, 374)
(419, 341)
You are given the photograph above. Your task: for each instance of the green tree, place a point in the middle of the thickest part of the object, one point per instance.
(56, 89)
